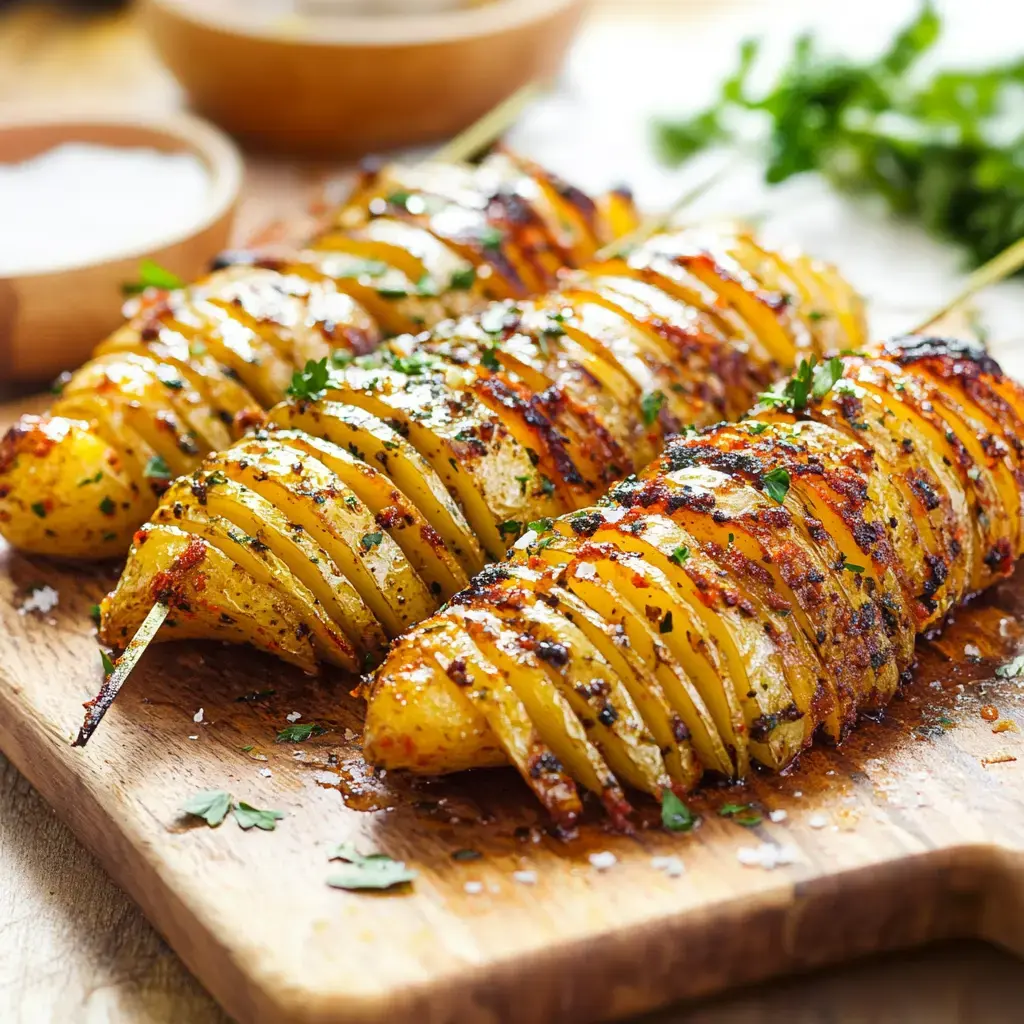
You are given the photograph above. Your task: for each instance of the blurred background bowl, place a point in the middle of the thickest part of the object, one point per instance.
(343, 84)
(51, 320)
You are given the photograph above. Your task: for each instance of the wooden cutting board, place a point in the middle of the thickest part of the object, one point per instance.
(912, 831)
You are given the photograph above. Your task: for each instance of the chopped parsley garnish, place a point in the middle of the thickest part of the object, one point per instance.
(427, 286)
(810, 380)
(157, 469)
(850, 567)
(299, 733)
(490, 237)
(756, 429)
(681, 554)
(467, 854)
(742, 814)
(776, 483)
(1011, 669)
(463, 280)
(547, 485)
(152, 275)
(108, 663)
(650, 405)
(107, 506)
(369, 541)
(369, 871)
(94, 613)
(675, 815)
(249, 817)
(39, 508)
(312, 382)
(540, 525)
(522, 481)
(512, 526)
(95, 479)
(489, 359)
(212, 805)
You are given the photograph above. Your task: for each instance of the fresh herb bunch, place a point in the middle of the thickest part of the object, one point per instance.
(934, 150)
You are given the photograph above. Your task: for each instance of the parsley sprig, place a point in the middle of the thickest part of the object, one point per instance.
(935, 148)
(811, 381)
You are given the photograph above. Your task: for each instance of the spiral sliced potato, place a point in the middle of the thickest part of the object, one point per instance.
(766, 581)
(194, 369)
(401, 475)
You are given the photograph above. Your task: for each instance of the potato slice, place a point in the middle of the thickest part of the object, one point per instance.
(557, 724)
(775, 722)
(392, 511)
(309, 494)
(589, 685)
(371, 440)
(263, 565)
(469, 448)
(212, 597)
(666, 726)
(53, 467)
(262, 524)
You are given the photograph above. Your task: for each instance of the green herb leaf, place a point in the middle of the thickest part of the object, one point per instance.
(152, 275)
(94, 613)
(107, 505)
(489, 359)
(312, 382)
(849, 567)
(370, 540)
(1011, 669)
(825, 376)
(94, 479)
(39, 508)
(365, 268)
(212, 805)
(157, 469)
(742, 814)
(372, 871)
(776, 484)
(299, 733)
(108, 663)
(491, 237)
(675, 815)
(463, 280)
(680, 554)
(248, 817)
(650, 405)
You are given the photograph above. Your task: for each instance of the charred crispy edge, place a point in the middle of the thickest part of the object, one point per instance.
(911, 348)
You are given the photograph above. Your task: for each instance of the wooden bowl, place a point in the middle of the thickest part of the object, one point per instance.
(50, 321)
(341, 85)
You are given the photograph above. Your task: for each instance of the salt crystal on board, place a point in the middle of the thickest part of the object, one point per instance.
(817, 821)
(265, 772)
(293, 717)
(41, 599)
(198, 716)
(603, 860)
(473, 888)
(777, 816)
(767, 856)
(525, 877)
(671, 866)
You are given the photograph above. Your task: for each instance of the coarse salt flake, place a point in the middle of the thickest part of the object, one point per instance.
(41, 599)
(198, 716)
(777, 816)
(525, 877)
(293, 717)
(526, 540)
(972, 650)
(265, 772)
(817, 821)
(671, 866)
(603, 860)
(585, 571)
(766, 855)
(473, 888)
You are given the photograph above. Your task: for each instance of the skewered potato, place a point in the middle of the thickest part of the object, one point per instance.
(194, 369)
(767, 580)
(400, 476)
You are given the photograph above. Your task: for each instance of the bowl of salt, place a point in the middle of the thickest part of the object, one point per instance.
(91, 207)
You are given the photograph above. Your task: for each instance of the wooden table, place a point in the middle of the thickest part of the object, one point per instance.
(73, 948)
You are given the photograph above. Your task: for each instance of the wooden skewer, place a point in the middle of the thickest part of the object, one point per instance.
(1008, 262)
(479, 135)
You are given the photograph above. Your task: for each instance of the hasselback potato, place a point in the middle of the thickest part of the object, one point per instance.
(378, 491)
(194, 368)
(758, 583)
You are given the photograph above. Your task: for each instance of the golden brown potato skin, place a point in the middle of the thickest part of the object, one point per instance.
(193, 369)
(378, 498)
(804, 547)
